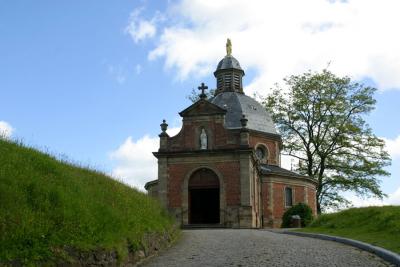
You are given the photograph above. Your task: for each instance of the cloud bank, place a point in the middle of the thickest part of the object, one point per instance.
(272, 39)
(6, 130)
(393, 147)
(278, 38)
(134, 162)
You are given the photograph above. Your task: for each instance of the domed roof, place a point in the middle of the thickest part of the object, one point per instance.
(228, 62)
(237, 104)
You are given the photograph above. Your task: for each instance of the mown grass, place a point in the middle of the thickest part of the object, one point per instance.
(47, 205)
(379, 226)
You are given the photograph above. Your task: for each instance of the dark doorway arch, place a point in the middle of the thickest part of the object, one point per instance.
(204, 199)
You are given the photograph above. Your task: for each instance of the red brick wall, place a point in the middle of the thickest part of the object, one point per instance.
(177, 174)
(279, 199)
(271, 146)
(265, 201)
(218, 136)
(231, 173)
(298, 194)
(278, 195)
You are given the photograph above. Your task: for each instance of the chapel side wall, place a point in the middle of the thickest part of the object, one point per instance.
(274, 205)
(279, 205)
(298, 194)
(267, 205)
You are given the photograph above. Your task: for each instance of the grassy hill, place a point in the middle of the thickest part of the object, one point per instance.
(379, 226)
(47, 206)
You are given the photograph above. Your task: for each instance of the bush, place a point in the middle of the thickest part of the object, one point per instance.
(301, 209)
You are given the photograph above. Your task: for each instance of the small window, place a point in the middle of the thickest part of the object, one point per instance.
(260, 153)
(288, 197)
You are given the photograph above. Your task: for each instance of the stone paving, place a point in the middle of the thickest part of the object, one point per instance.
(245, 247)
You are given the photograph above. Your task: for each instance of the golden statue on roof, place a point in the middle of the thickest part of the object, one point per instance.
(228, 47)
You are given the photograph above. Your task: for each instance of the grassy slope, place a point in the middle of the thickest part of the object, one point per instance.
(46, 204)
(379, 226)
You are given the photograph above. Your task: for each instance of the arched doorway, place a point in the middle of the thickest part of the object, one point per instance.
(204, 197)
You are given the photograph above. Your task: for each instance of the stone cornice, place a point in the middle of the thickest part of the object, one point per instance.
(196, 153)
(284, 178)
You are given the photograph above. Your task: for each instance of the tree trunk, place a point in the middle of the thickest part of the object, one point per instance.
(318, 207)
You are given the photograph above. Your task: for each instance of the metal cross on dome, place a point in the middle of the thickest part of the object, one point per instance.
(203, 87)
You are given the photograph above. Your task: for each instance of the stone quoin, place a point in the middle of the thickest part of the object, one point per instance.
(223, 167)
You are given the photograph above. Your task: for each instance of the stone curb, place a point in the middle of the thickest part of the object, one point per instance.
(387, 255)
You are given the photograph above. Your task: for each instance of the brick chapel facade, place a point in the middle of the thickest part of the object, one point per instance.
(223, 167)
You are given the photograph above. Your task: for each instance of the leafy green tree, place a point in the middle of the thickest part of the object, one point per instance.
(321, 119)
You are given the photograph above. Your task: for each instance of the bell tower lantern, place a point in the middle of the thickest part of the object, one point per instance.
(229, 74)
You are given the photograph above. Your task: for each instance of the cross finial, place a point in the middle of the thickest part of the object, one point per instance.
(202, 87)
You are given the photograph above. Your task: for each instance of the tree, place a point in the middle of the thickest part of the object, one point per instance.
(321, 119)
(194, 95)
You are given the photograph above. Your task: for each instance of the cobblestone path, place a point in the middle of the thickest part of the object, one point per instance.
(231, 247)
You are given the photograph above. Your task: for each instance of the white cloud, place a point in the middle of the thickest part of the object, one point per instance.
(393, 146)
(391, 199)
(288, 162)
(140, 29)
(280, 38)
(5, 129)
(135, 163)
(394, 198)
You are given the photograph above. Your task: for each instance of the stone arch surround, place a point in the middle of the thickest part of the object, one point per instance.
(185, 191)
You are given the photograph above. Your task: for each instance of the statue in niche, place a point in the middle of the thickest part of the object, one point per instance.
(203, 139)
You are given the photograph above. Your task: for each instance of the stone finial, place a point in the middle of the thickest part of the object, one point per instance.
(244, 121)
(164, 127)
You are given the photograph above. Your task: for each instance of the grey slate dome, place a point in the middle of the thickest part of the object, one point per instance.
(237, 104)
(228, 62)
(229, 95)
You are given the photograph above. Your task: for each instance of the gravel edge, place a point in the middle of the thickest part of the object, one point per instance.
(387, 255)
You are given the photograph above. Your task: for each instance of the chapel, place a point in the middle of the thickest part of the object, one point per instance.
(224, 166)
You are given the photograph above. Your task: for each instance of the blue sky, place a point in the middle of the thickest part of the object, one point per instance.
(93, 79)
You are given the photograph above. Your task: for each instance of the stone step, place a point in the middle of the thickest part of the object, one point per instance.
(202, 226)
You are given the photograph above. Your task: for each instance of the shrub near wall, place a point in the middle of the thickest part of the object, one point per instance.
(301, 209)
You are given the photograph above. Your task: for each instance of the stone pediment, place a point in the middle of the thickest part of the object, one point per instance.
(202, 108)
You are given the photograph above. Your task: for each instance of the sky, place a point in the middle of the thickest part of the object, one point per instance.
(92, 80)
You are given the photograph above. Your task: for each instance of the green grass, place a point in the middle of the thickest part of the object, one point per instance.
(379, 226)
(47, 205)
